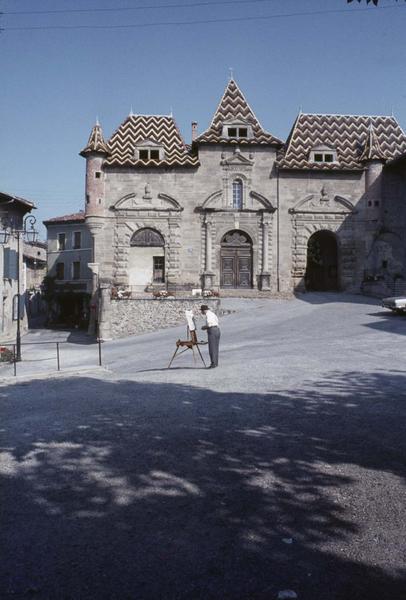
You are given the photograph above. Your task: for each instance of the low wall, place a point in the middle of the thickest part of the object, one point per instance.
(136, 316)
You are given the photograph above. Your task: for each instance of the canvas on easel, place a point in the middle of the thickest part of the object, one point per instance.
(191, 342)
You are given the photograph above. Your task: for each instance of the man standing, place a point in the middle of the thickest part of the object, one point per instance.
(213, 335)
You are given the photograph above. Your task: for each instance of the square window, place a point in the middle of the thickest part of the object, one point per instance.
(328, 158)
(376, 203)
(384, 264)
(155, 154)
(232, 132)
(243, 132)
(318, 157)
(61, 241)
(97, 174)
(143, 154)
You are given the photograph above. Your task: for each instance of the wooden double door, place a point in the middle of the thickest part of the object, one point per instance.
(236, 267)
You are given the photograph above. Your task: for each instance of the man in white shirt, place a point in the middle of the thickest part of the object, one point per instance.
(213, 334)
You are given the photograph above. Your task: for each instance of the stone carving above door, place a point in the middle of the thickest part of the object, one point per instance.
(253, 201)
(324, 203)
(147, 201)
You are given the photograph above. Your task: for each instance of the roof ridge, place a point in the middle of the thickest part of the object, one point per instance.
(318, 114)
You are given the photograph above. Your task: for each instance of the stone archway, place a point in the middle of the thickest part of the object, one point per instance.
(146, 261)
(322, 262)
(236, 260)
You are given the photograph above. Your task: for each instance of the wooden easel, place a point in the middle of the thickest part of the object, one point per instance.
(189, 344)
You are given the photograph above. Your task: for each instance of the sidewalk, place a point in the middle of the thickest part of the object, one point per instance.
(46, 352)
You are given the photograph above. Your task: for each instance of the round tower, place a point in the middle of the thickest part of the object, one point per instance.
(95, 152)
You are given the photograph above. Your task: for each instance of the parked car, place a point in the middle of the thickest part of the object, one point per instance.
(396, 303)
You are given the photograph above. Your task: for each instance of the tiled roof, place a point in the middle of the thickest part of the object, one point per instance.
(349, 135)
(96, 142)
(9, 198)
(372, 149)
(151, 129)
(73, 218)
(233, 106)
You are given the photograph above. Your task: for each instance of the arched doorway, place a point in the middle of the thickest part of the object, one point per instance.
(146, 261)
(236, 260)
(322, 262)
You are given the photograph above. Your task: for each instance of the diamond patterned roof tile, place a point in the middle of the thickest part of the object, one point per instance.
(351, 137)
(161, 130)
(96, 142)
(372, 149)
(233, 106)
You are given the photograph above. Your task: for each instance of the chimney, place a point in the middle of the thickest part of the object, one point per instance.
(194, 130)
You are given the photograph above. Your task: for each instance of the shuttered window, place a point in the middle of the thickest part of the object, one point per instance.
(10, 258)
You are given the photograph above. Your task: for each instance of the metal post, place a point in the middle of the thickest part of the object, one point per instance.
(14, 360)
(18, 340)
(100, 354)
(57, 356)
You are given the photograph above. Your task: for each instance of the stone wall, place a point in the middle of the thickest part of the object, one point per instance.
(136, 316)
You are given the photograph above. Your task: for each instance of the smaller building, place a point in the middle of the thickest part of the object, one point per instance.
(68, 285)
(34, 272)
(12, 213)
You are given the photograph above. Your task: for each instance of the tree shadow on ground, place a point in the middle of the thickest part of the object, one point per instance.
(335, 297)
(127, 490)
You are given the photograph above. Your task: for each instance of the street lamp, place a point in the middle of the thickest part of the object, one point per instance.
(29, 233)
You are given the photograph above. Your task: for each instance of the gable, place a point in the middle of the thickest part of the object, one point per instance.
(148, 201)
(234, 109)
(324, 203)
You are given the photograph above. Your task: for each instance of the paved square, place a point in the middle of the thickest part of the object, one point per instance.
(283, 469)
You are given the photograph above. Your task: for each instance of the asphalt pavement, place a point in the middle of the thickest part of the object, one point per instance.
(279, 474)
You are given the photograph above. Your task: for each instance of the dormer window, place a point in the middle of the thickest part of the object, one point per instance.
(237, 130)
(323, 154)
(148, 150)
(148, 154)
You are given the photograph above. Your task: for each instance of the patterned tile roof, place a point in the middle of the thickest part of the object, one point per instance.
(96, 142)
(355, 139)
(73, 218)
(149, 130)
(372, 149)
(233, 106)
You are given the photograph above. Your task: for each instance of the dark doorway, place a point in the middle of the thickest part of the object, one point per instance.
(322, 262)
(236, 260)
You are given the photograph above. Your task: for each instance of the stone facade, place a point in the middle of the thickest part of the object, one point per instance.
(241, 209)
(134, 316)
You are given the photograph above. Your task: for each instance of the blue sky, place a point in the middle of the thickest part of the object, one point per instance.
(55, 82)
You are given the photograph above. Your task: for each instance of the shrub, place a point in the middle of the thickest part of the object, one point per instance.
(6, 355)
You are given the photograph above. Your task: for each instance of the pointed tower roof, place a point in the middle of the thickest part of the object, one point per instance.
(372, 149)
(96, 142)
(233, 107)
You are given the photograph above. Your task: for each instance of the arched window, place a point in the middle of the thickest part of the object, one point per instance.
(147, 238)
(237, 194)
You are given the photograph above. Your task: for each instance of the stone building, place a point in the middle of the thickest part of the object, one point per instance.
(240, 209)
